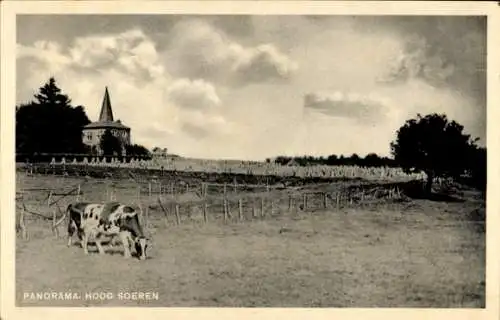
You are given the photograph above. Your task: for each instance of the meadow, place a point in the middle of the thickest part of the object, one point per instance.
(370, 252)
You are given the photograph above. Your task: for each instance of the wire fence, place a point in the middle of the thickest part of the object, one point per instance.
(46, 198)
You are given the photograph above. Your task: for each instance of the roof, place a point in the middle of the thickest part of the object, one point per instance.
(106, 125)
(106, 112)
(106, 117)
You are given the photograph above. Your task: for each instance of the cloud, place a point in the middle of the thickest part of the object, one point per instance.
(445, 52)
(346, 105)
(202, 51)
(262, 63)
(130, 51)
(198, 107)
(161, 110)
(202, 88)
(199, 125)
(130, 55)
(197, 94)
(415, 61)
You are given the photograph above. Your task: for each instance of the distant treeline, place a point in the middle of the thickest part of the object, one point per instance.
(370, 160)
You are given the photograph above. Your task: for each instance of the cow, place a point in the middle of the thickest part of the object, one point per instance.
(94, 220)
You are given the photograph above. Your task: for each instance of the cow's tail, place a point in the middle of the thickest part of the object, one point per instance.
(72, 224)
(70, 219)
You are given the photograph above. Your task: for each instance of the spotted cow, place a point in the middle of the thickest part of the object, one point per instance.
(94, 220)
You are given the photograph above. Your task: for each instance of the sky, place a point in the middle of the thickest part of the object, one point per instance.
(252, 87)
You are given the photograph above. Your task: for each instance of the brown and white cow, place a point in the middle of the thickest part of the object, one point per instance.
(94, 220)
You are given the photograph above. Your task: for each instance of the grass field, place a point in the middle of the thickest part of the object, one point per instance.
(418, 253)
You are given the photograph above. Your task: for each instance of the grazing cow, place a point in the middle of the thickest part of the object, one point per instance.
(110, 219)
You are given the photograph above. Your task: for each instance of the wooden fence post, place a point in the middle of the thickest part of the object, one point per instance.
(338, 200)
(78, 193)
(224, 205)
(205, 207)
(177, 214)
(325, 203)
(262, 213)
(304, 201)
(138, 193)
(49, 199)
(164, 211)
(22, 225)
(253, 208)
(149, 189)
(289, 202)
(240, 207)
(55, 223)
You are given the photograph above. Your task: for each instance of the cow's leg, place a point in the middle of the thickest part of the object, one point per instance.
(98, 244)
(80, 237)
(71, 231)
(124, 240)
(112, 242)
(85, 242)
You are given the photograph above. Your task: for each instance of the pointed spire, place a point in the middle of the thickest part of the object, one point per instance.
(106, 112)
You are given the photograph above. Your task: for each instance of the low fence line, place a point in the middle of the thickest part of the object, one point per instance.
(244, 207)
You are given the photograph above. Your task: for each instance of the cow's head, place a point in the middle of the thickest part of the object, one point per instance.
(141, 244)
(130, 222)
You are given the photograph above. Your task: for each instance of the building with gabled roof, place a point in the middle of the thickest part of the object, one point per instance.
(93, 132)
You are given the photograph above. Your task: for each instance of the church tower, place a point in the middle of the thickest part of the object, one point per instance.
(93, 132)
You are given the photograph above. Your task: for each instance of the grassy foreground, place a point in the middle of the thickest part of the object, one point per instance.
(416, 254)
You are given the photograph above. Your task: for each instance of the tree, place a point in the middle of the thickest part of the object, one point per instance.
(109, 144)
(478, 167)
(282, 160)
(136, 150)
(434, 145)
(50, 124)
(372, 160)
(331, 160)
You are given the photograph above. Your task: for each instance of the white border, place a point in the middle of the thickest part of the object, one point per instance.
(9, 9)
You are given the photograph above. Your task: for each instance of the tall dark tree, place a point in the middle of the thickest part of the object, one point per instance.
(50, 124)
(110, 145)
(434, 145)
(478, 167)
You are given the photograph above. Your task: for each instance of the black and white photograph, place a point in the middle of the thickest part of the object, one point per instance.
(310, 160)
